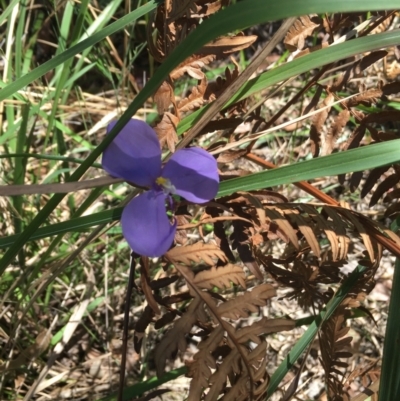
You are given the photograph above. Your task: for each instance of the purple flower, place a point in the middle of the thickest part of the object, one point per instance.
(135, 156)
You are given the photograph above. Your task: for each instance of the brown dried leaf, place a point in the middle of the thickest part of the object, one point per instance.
(340, 230)
(356, 136)
(382, 136)
(192, 66)
(339, 21)
(30, 353)
(167, 318)
(177, 8)
(366, 98)
(220, 277)
(317, 123)
(372, 179)
(307, 230)
(262, 327)
(382, 117)
(334, 346)
(391, 89)
(144, 320)
(355, 70)
(258, 363)
(231, 155)
(222, 46)
(199, 368)
(164, 97)
(145, 285)
(314, 101)
(214, 89)
(334, 132)
(284, 225)
(196, 253)
(243, 305)
(175, 339)
(328, 230)
(302, 28)
(195, 99)
(392, 195)
(362, 231)
(166, 130)
(218, 379)
(204, 10)
(387, 184)
(312, 49)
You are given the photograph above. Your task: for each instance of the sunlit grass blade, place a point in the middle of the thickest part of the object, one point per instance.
(301, 65)
(339, 163)
(13, 87)
(389, 388)
(139, 389)
(360, 159)
(72, 225)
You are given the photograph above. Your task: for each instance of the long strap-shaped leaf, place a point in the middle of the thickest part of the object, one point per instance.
(353, 160)
(389, 388)
(238, 16)
(301, 65)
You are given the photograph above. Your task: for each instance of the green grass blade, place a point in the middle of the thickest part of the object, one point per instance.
(139, 389)
(48, 157)
(239, 16)
(6, 13)
(116, 26)
(339, 163)
(73, 225)
(19, 41)
(301, 65)
(389, 388)
(102, 19)
(360, 159)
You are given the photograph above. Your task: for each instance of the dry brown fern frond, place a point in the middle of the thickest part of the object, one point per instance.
(171, 23)
(250, 302)
(218, 352)
(196, 253)
(356, 69)
(301, 29)
(195, 99)
(220, 277)
(317, 124)
(174, 339)
(300, 225)
(166, 130)
(334, 346)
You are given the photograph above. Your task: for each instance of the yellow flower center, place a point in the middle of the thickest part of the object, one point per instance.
(166, 184)
(161, 181)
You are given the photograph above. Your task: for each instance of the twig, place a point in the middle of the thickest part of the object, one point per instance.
(125, 331)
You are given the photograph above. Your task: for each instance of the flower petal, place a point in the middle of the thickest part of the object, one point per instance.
(135, 154)
(146, 226)
(194, 174)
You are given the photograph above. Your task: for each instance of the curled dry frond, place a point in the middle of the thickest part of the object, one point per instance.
(335, 346)
(196, 253)
(175, 339)
(301, 29)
